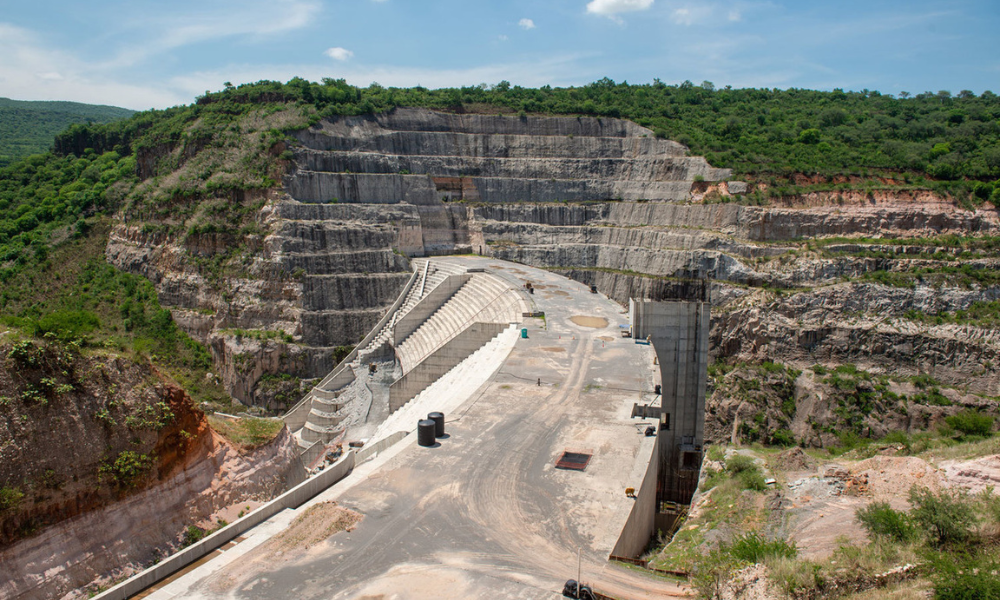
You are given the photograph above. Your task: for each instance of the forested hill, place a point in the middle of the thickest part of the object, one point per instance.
(939, 136)
(28, 127)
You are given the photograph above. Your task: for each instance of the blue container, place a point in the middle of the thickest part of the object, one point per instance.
(524, 333)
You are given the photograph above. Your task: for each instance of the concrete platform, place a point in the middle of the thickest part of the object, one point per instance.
(485, 513)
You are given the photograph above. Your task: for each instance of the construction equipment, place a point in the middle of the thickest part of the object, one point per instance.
(580, 591)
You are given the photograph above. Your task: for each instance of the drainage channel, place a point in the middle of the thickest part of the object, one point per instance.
(191, 567)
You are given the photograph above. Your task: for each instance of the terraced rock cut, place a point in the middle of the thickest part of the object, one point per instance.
(421, 157)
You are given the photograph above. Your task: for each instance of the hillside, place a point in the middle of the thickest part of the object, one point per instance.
(28, 127)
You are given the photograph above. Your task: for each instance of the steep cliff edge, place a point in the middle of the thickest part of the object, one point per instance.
(873, 276)
(103, 463)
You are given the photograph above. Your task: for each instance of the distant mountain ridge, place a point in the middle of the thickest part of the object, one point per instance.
(29, 126)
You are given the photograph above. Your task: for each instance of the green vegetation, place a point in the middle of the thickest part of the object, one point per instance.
(247, 432)
(948, 537)
(73, 295)
(963, 275)
(10, 497)
(261, 334)
(881, 520)
(28, 127)
(971, 423)
(947, 517)
(753, 548)
(745, 470)
(127, 469)
(980, 314)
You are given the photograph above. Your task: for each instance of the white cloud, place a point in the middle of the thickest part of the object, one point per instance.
(682, 16)
(502, 37)
(257, 18)
(610, 8)
(339, 53)
(734, 16)
(526, 24)
(689, 15)
(31, 70)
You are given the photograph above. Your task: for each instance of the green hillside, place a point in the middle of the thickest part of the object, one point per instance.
(28, 127)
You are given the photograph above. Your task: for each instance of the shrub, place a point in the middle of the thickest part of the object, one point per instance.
(128, 468)
(10, 497)
(67, 324)
(753, 548)
(971, 422)
(964, 577)
(739, 463)
(948, 517)
(783, 437)
(192, 535)
(746, 471)
(752, 480)
(881, 520)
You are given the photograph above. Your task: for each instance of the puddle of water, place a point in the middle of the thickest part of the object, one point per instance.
(595, 322)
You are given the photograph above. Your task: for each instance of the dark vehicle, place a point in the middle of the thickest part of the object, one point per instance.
(572, 589)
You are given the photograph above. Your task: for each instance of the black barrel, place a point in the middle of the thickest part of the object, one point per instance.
(425, 432)
(656, 389)
(438, 419)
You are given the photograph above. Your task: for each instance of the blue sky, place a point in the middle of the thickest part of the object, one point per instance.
(146, 54)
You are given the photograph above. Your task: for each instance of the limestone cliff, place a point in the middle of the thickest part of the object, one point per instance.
(825, 277)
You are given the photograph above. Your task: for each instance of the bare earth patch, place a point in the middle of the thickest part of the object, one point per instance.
(595, 322)
(314, 526)
(553, 349)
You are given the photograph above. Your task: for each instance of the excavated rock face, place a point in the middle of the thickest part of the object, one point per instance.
(331, 253)
(600, 200)
(79, 433)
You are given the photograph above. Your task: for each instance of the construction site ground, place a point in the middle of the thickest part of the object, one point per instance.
(484, 513)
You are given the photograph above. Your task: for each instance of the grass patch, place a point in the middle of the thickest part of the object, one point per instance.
(247, 433)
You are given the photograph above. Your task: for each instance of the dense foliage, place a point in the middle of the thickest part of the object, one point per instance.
(28, 127)
(750, 130)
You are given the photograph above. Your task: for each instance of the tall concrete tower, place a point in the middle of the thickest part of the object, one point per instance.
(676, 320)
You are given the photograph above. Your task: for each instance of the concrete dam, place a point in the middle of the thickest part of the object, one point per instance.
(551, 412)
(540, 392)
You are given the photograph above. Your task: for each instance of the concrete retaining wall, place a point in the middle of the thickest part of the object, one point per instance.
(370, 451)
(641, 521)
(342, 374)
(441, 361)
(293, 498)
(434, 300)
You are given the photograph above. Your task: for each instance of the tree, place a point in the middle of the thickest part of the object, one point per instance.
(947, 517)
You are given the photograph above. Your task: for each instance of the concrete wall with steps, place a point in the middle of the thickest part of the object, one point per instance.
(430, 303)
(483, 299)
(442, 360)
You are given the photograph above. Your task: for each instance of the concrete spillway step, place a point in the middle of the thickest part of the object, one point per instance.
(431, 367)
(472, 302)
